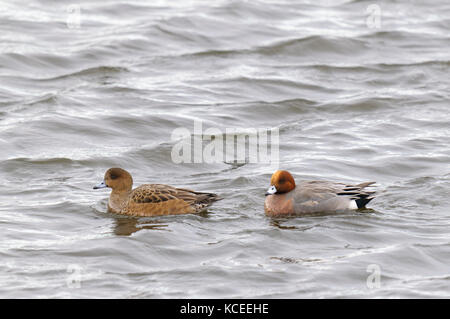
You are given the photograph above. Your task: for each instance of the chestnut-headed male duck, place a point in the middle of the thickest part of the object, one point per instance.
(285, 197)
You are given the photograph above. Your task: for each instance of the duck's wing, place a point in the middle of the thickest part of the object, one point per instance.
(312, 196)
(156, 193)
(160, 199)
(152, 193)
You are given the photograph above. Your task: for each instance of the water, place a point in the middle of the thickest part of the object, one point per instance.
(354, 99)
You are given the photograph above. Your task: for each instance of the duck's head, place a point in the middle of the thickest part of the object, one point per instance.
(118, 179)
(281, 182)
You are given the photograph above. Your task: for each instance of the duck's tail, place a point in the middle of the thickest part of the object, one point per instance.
(362, 202)
(199, 199)
(206, 198)
(358, 194)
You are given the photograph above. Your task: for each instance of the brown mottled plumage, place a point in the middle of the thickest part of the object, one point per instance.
(285, 197)
(151, 199)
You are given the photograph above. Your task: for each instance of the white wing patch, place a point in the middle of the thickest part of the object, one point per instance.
(353, 205)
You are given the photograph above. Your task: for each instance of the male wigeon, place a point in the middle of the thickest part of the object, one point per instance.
(151, 199)
(284, 197)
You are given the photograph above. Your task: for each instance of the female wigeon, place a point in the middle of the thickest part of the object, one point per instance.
(151, 199)
(284, 197)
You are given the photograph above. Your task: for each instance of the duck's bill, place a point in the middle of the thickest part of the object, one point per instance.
(101, 185)
(272, 190)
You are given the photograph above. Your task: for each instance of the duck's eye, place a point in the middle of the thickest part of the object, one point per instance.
(112, 176)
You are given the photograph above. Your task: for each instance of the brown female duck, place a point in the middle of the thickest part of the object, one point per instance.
(151, 199)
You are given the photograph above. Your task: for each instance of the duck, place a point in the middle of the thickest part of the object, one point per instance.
(151, 199)
(285, 197)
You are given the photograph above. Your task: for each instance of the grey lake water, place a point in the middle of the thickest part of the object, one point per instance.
(358, 91)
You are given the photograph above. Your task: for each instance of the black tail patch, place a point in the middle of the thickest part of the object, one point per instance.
(362, 202)
(357, 193)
